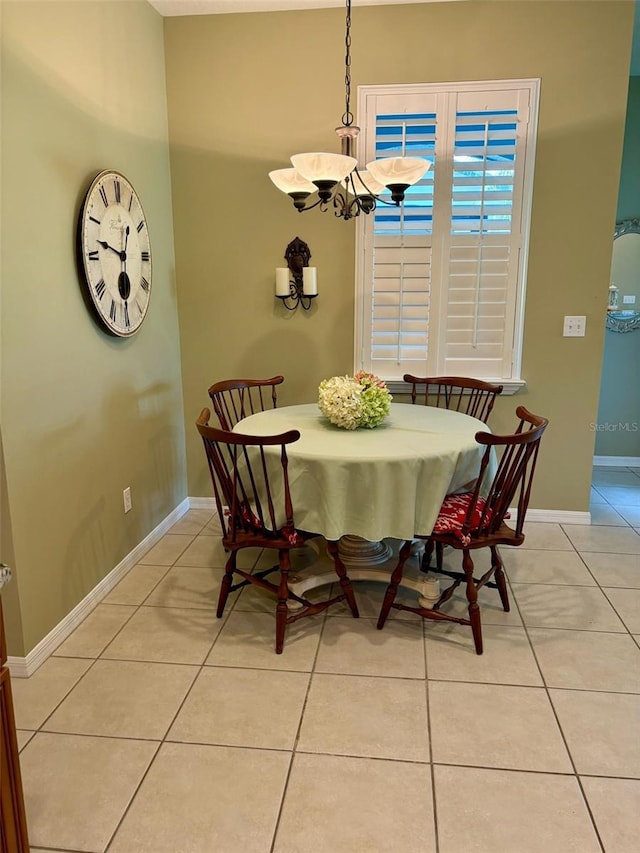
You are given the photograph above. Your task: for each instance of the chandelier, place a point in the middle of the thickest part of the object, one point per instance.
(335, 179)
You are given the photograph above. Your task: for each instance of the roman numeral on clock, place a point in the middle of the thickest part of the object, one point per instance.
(113, 311)
(100, 288)
(116, 189)
(93, 256)
(126, 315)
(103, 196)
(93, 219)
(144, 284)
(140, 226)
(144, 256)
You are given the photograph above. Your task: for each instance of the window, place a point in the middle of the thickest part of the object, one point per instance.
(440, 279)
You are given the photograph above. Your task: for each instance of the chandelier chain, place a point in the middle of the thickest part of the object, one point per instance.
(347, 118)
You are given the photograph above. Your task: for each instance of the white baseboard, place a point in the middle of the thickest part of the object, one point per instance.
(203, 503)
(617, 461)
(24, 667)
(557, 516)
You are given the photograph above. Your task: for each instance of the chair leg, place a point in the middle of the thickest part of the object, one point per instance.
(227, 580)
(396, 577)
(426, 557)
(345, 583)
(472, 598)
(282, 611)
(439, 556)
(501, 583)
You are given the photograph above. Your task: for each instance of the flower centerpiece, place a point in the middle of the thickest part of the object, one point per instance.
(361, 400)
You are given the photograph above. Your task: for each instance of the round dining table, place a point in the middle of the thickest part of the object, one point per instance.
(369, 489)
(389, 481)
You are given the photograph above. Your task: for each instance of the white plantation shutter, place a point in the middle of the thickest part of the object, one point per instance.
(441, 278)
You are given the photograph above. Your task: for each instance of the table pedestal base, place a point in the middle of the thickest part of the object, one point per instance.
(312, 566)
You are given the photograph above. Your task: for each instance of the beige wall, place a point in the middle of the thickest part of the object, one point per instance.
(246, 91)
(84, 414)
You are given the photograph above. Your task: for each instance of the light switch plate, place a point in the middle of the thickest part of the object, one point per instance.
(574, 327)
(629, 300)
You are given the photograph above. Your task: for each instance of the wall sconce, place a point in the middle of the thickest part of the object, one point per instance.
(297, 283)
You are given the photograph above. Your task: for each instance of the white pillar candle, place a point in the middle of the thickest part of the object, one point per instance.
(282, 281)
(310, 281)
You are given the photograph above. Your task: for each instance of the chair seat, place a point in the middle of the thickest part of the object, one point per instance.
(453, 514)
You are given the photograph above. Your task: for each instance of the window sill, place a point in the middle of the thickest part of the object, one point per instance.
(510, 386)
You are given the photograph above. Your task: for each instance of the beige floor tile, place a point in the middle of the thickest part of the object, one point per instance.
(607, 515)
(242, 707)
(544, 536)
(136, 585)
(614, 477)
(621, 495)
(205, 550)
(615, 805)
(631, 514)
(483, 725)
(23, 738)
(213, 527)
(553, 567)
(369, 596)
(95, 633)
(356, 647)
(192, 522)
(205, 799)
(189, 586)
(34, 698)
(167, 550)
(343, 805)
(507, 657)
(601, 731)
(166, 635)
(587, 660)
(249, 639)
(614, 540)
(124, 699)
(556, 606)
(614, 569)
(627, 605)
(77, 788)
(498, 811)
(394, 726)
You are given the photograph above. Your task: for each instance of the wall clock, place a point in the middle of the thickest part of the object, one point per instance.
(116, 253)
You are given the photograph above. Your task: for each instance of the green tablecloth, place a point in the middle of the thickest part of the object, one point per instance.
(374, 483)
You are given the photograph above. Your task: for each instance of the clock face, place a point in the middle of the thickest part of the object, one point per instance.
(116, 254)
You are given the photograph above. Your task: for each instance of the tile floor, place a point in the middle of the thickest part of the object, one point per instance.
(142, 732)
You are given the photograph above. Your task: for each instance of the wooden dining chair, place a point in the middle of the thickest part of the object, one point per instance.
(245, 489)
(473, 397)
(234, 399)
(478, 519)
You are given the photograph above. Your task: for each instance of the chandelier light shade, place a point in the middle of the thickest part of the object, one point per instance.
(335, 178)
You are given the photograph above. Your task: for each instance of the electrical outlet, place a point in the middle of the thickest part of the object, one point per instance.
(574, 327)
(126, 497)
(629, 300)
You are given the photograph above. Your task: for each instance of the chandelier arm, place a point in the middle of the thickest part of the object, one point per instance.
(310, 206)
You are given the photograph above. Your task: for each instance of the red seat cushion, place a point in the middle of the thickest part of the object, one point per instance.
(453, 514)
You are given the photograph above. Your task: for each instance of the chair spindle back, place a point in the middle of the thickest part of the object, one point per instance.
(235, 399)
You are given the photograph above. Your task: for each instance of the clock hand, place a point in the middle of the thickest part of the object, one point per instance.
(121, 255)
(124, 285)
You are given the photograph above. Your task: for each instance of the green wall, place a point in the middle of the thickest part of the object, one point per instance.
(618, 421)
(83, 414)
(246, 91)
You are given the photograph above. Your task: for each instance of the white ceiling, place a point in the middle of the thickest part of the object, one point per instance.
(216, 7)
